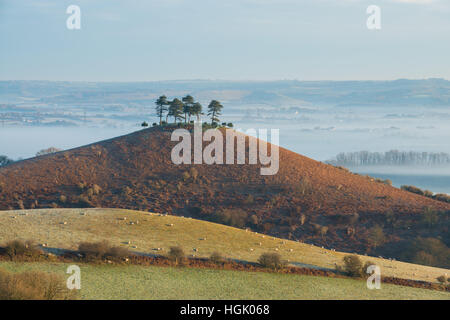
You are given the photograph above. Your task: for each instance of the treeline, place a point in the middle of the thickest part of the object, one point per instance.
(393, 157)
(4, 160)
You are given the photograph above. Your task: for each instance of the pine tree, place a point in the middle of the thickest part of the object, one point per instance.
(161, 107)
(196, 110)
(214, 110)
(176, 109)
(188, 102)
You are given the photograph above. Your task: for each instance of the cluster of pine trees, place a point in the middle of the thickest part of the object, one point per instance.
(184, 109)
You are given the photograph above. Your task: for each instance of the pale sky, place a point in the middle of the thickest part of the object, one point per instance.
(148, 40)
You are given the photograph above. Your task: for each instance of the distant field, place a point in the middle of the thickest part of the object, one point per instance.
(155, 231)
(137, 282)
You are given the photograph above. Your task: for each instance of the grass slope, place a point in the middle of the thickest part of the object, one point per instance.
(156, 231)
(136, 282)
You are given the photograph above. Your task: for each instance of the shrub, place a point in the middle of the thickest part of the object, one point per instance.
(144, 124)
(302, 219)
(20, 204)
(442, 197)
(186, 176)
(353, 266)
(428, 251)
(176, 254)
(366, 266)
(33, 285)
(83, 201)
(442, 279)
(271, 260)
(428, 193)
(249, 199)
(232, 217)
(413, 189)
(430, 217)
(47, 151)
(323, 231)
(96, 189)
(62, 198)
(94, 250)
(194, 174)
(22, 249)
(376, 236)
(216, 257)
(100, 250)
(254, 219)
(4, 160)
(90, 192)
(117, 253)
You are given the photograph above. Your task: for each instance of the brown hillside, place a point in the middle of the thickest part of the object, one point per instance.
(135, 171)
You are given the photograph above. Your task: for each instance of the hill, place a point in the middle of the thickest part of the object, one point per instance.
(306, 200)
(144, 232)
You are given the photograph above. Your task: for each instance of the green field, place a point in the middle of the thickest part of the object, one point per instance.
(138, 282)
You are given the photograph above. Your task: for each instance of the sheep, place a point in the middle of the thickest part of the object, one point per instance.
(291, 250)
(251, 249)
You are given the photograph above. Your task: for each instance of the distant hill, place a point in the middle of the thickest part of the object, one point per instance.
(402, 92)
(306, 200)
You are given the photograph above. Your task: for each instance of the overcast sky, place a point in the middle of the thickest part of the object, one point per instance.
(131, 40)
